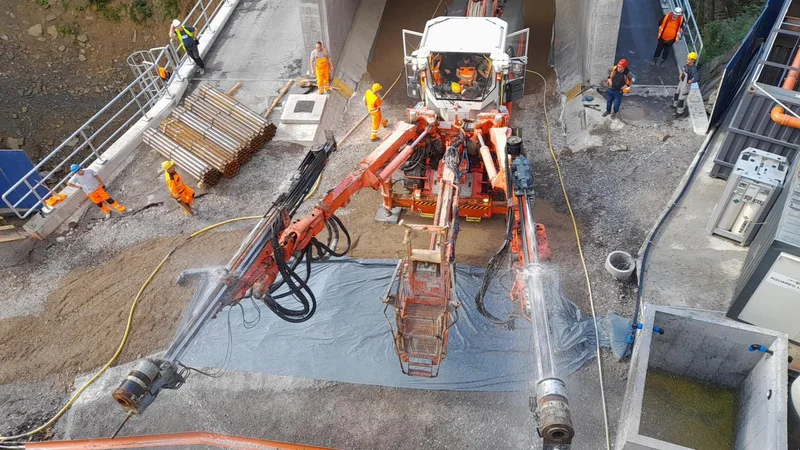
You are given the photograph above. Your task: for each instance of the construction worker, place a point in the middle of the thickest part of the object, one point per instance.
(436, 72)
(373, 104)
(669, 32)
(188, 43)
(182, 193)
(619, 81)
(94, 188)
(466, 70)
(688, 77)
(323, 66)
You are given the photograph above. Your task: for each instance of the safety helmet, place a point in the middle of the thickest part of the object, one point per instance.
(376, 87)
(74, 168)
(623, 62)
(692, 56)
(678, 11)
(176, 23)
(167, 164)
(455, 87)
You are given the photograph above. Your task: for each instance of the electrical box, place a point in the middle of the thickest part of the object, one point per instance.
(752, 188)
(768, 291)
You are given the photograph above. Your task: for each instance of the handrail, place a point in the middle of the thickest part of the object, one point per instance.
(101, 130)
(692, 39)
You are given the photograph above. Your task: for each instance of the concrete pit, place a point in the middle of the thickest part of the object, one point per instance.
(699, 385)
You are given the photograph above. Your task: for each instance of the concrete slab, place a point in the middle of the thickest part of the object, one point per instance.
(303, 134)
(686, 266)
(303, 109)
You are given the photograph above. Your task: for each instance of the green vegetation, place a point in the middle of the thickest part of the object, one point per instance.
(721, 36)
(66, 30)
(171, 8)
(140, 11)
(42, 2)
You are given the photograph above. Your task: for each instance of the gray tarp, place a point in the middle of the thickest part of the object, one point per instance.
(348, 339)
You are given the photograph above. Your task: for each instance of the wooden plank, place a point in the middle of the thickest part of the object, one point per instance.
(235, 88)
(278, 98)
(12, 238)
(7, 227)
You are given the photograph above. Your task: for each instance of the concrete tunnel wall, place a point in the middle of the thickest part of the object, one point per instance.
(584, 42)
(328, 21)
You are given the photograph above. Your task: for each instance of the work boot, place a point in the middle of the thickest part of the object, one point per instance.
(107, 215)
(606, 113)
(662, 64)
(202, 71)
(373, 138)
(385, 123)
(653, 62)
(614, 115)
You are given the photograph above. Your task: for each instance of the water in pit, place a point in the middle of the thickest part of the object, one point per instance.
(686, 412)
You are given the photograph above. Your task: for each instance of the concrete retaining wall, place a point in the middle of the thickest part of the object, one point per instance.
(328, 21)
(122, 152)
(715, 351)
(585, 41)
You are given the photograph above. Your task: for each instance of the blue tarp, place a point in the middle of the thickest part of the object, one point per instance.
(14, 164)
(348, 339)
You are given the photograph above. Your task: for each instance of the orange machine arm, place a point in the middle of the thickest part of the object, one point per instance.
(170, 440)
(374, 171)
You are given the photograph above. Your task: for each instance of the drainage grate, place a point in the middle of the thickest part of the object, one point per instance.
(304, 106)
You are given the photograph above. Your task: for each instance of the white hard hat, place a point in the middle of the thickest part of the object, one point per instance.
(176, 23)
(678, 11)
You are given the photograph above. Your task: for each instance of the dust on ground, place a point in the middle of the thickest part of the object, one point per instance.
(95, 302)
(61, 61)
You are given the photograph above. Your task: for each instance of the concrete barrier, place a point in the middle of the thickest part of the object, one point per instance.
(122, 151)
(693, 376)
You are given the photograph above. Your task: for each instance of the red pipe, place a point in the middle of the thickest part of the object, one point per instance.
(778, 114)
(386, 173)
(172, 439)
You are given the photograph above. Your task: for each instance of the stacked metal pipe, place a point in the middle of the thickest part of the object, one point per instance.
(211, 136)
(206, 174)
(220, 158)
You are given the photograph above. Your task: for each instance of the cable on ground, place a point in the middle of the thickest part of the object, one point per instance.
(125, 335)
(580, 253)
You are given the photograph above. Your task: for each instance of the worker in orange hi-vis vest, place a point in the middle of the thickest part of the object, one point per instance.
(182, 193)
(94, 188)
(669, 32)
(323, 66)
(373, 103)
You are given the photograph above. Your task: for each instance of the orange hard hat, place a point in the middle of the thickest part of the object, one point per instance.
(623, 62)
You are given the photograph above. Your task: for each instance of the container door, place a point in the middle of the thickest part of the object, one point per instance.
(517, 50)
(411, 42)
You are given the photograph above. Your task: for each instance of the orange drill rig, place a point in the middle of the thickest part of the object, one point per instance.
(458, 158)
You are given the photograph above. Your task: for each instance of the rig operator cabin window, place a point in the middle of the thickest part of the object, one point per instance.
(460, 76)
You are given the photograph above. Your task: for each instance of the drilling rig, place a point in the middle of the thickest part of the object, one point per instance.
(458, 158)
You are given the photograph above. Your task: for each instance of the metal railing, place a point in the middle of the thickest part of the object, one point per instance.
(691, 36)
(87, 143)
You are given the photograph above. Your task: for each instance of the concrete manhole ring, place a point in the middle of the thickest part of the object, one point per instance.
(620, 265)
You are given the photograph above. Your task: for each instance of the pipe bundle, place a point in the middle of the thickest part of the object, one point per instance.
(211, 135)
(206, 175)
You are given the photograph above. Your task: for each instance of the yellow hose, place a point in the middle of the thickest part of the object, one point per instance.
(125, 335)
(580, 253)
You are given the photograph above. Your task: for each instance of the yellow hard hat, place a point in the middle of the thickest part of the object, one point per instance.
(692, 55)
(455, 87)
(376, 87)
(167, 164)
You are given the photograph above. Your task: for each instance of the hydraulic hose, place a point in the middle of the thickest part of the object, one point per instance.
(125, 334)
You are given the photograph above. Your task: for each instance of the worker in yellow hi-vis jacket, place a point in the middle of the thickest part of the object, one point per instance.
(373, 103)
